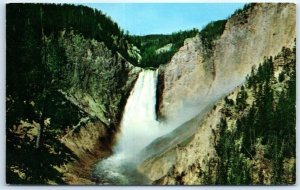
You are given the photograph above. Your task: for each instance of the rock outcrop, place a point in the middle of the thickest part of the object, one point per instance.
(186, 79)
(97, 82)
(68, 79)
(259, 31)
(89, 143)
(183, 160)
(194, 79)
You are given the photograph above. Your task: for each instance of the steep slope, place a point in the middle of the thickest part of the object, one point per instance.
(67, 85)
(197, 75)
(186, 79)
(99, 87)
(259, 31)
(95, 79)
(68, 81)
(247, 138)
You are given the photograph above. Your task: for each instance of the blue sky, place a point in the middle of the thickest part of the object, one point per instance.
(164, 18)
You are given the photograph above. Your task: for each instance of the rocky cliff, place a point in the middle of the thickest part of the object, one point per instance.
(68, 78)
(96, 80)
(88, 86)
(196, 77)
(68, 81)
(237, 132)
(98, 83)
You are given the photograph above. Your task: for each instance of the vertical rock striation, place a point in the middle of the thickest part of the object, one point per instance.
(98, 82)
(259, 31)
(195, 78)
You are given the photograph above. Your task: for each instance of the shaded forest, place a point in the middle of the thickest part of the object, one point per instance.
(261, 147)
(45, 43)
(38, 66)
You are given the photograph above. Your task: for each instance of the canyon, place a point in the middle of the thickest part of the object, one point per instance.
(160, 126)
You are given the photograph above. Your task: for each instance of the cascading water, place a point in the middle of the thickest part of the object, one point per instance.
(138, 128)
(139, 123)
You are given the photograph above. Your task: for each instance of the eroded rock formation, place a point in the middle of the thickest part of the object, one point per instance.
(194, 78)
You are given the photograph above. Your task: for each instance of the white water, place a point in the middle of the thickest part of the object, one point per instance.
(139, 125)
(138, 129)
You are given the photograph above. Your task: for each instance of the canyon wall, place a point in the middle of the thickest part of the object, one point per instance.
(97, 83)
(194, 79)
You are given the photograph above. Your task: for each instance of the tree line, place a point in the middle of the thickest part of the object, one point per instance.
(36, 113)
(149, 44)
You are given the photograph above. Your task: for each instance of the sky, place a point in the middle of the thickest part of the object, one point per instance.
(164, 18)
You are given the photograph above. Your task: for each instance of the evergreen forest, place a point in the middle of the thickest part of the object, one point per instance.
(70, 67)
(261, 147)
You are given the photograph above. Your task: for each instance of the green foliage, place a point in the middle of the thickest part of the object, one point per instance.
(53, 48)
(241, 99)
(228, 101)
(36, 65)
(268, 122)
(55, 18)
(35, 164)
(100, 74)
(281, 77)
(211, 32)
(246, 7)
(150, 43)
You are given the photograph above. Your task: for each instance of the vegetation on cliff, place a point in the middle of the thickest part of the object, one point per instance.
(156, 50)
(260, 147)
(150, 45)
(51, 19)
(247, 138)
(211, 32)
(61, 74)
(64, 74)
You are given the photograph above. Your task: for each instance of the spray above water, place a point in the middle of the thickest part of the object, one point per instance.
(138, 129)
(139, 125)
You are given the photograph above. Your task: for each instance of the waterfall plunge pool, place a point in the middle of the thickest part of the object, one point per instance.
(138, 129)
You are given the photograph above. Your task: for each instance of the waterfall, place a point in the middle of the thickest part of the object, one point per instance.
(139, 125)
(138, 128)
